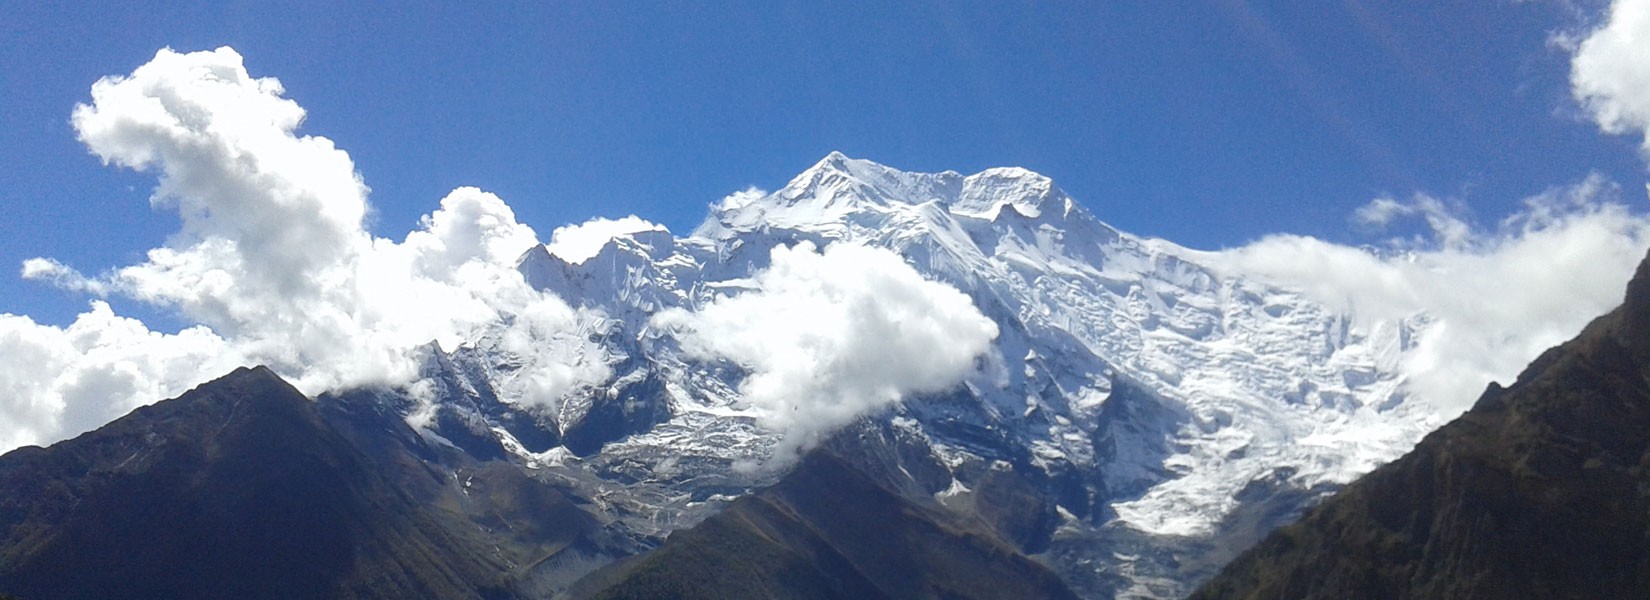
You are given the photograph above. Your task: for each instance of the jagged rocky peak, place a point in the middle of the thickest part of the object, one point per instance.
(841, 190)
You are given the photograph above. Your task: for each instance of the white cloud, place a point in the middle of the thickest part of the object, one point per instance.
(57, 381)
(739, 199)
(1381, 212)
(1610, 71)
(1499, 297)
(272, 261)
(1448, 227)
(578, 243)
(273, 209)
(62, 276)
(828, 336)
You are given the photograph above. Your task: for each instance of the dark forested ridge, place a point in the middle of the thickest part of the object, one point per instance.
(1542, 490)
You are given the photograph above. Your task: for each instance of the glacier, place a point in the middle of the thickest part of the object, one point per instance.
(1168, 407)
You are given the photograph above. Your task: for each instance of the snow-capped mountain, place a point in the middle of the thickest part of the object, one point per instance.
(1165, 409)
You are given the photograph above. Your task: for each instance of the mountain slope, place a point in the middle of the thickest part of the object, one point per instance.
(829, 530)
(242, 488)
(1542, 490)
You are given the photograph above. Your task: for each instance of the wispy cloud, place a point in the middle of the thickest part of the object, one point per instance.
(1499, 296)
(1445, 220)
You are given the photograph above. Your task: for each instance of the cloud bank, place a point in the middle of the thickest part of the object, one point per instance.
(1610, 71)
(271, 260)
(828, 336)
(1498, 297)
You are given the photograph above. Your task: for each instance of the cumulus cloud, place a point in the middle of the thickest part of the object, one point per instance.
(828, 336)
(1610, 71)
(271, 261)
(578, 243)
(60, 381)
(1498, 297)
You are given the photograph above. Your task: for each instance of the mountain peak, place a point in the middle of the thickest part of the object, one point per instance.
(254, 375)
(835, 160)
(267, 391)
(987, 193)
(835, 194)
(840, 192)
(837, 167)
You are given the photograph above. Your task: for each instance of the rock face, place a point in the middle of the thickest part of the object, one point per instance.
(244, 488)
(1541, 490)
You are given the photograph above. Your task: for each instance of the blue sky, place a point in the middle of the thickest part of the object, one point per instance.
(1210, 124)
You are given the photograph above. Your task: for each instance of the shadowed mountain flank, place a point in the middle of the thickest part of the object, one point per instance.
(243, 488)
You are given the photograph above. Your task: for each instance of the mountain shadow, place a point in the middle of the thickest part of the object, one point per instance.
(1541, 490)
